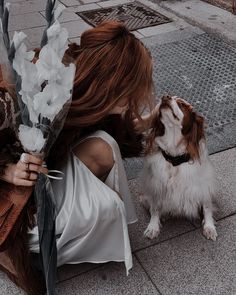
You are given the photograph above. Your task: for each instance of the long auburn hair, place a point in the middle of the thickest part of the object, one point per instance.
(111, 64)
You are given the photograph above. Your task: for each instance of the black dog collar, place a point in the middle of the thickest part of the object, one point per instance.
(177, 160)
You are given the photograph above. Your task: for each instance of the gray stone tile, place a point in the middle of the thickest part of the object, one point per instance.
(111, 2)
(7, 287)
(133, 167)
(26, 21)
(164, 28)
(172, 36)
(76, 40)
(70, 2)
(170, 228)
(89, 1)
(225, 166)
(27, 7)
(76, 28)
(190, 264)
(14, 1)
(67, 15)
(69, 271)
(86, 7)
(33, 36)
(110, 279)
(138, 35)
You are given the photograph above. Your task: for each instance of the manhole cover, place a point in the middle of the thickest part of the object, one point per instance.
(135, 15)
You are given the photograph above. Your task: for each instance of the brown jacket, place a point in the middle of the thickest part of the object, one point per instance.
(16, 260)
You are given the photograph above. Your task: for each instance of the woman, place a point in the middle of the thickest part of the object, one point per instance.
(113, 83)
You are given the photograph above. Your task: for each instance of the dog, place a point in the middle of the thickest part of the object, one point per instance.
(178, 178)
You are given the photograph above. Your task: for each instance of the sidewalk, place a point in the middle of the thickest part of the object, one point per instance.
(194, 57)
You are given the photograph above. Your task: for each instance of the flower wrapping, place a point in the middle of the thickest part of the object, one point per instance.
(44, 90)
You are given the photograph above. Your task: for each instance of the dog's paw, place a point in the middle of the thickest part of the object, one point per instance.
(210, 232)
(151, 232)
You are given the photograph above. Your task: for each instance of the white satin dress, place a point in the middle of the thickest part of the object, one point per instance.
(91, 223)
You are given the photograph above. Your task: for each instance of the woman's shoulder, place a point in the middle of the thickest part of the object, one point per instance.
(94, 149)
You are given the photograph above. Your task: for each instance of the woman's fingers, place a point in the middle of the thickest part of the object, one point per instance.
(24, 182)
(37, 168)
(27, 175)
(27, 158)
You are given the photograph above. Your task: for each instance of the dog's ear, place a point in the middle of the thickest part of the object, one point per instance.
(157, 129)
(193, 133)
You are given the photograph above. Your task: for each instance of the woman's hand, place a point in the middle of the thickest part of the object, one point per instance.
(25, 172)
(146, 123)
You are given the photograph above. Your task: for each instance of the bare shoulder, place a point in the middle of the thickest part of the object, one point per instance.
(96, 154)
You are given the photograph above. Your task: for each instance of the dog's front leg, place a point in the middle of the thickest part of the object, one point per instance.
(209, 230)
(153, 229)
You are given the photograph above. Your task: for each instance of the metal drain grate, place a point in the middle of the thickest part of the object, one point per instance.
(202, 70)
(135, 15)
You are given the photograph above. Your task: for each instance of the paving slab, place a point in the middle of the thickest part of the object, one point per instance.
(225, 166)
(108, 280)
(34, 36)
(76, 28)
(24, 7)
(110, 2)
(170, 228)
(190, 264)
(69, 271)
(208, 17)
(29, 20)
(85, 7)
(67, 15)
(69, 3)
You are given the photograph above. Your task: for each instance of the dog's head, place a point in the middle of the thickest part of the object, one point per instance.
(178, 121)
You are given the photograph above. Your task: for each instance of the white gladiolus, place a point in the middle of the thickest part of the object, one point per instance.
(31, 138)
(27, 99)
(18, 38)
(58, 38)
(45, 85)
(48, 64)
(58, 11)
(66, 76)
(51, 100)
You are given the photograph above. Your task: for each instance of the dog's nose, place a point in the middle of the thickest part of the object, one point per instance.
(166, 98)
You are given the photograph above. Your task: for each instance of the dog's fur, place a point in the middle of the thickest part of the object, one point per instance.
(185, 189)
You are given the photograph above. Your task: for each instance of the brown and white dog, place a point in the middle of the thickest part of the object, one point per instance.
(178, 177)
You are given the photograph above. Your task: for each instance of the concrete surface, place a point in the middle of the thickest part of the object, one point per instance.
(208, 17)
(181, 261)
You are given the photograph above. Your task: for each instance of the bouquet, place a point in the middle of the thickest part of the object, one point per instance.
(44, 90)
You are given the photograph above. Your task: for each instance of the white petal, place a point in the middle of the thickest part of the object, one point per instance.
(31, 138)
(58, 11)
(18, 38)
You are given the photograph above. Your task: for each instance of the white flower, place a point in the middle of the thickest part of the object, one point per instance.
(58, 38)
(18, 39)
(48, 64)
(22, 63)
(49, 102)
(31, 138)
(66, 76)
(58, 11)
(27, 98)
